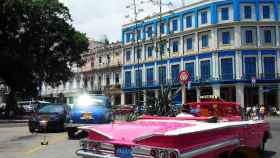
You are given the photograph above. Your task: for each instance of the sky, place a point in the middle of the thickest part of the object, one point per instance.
(100, 18)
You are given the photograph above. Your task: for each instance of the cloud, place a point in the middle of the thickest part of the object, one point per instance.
(99, 17)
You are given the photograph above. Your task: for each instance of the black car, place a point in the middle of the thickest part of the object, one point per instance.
(49, 115)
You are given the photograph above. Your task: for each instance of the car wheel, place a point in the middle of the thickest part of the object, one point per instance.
(71, 133)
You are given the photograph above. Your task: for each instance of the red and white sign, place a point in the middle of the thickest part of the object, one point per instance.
(184, 77)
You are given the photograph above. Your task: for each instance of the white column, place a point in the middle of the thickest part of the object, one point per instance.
(156, 72)
(278, 63)
(261, 97)
(214, 35)
(197, 67)
(133, 72)
(215, 65)
(144, 74)
(122, 98)
(278, 96)
(240, 94)
(197, 94)
(237, 36)
(259, 36)
(168, 69)
(184, 94)
(196, 42)
(112, 100)
(134, 98)
(145, 97)
(181, 45)
(277, 36)
(156, 93)
(216, 90)
(238, 63)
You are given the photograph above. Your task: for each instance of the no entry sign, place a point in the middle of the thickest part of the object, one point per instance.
(184, 77)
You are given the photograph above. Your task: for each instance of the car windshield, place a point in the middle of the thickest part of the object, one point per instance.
(51, 109)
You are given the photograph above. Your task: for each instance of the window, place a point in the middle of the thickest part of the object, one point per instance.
(162, 75)
(224, 12)
(249, 36)
(175, 46)
(117, 78)
(189, 21)
(150, 76)
(190, 69)
(175, 69)
(204, 17)
(205, 71)
(266, 12)
(267, 36)
(189, 43)
(138, 53)
(149, 31)
(108, 59)
(175, 25)
(204, 39)
(128, 79)
(226, 69)
(250, 67)
(127, 37)
(108, 80)
(161, 49)
(150, 51)
(269, 67)
(138, 77)
(247, 12)
(226, 37)
(100, 60)
(162, 28)
(138, 34)
(128, 53)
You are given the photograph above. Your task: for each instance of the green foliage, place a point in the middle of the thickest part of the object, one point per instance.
(37, 44)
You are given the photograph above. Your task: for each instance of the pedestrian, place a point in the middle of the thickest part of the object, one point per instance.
(262, 112)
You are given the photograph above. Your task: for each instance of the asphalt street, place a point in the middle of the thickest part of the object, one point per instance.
(17, 142)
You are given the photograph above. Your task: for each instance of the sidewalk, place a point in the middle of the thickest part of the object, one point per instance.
(4, 121)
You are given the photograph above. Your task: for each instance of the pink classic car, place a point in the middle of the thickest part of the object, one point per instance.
(210, 129)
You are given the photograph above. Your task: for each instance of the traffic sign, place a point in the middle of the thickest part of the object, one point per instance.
(184, 77)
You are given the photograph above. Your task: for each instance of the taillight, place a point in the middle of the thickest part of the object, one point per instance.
(173, 154)
(153, 153)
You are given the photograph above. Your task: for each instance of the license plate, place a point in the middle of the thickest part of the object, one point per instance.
(124, 152)
(87, 116)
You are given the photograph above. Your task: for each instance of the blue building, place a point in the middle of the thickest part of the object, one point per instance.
(225, 45)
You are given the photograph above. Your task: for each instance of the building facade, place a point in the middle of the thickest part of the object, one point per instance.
(100, 74)
(229, 47)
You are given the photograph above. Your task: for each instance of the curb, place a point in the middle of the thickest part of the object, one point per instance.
(13, 121)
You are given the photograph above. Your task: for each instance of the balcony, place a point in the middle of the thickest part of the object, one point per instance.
(107, 65)
(261, 76)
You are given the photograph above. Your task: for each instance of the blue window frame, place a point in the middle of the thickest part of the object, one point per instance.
(226, 69)
(205, 70)
(150, 51)
(162, 75)
(226, 37)
(128, 55)
(149, 31)
(266, 12)
(162, 30)
(178, 97)
(249, 36)
(269, 67)
(175, 45)
(250, 67)
(175, 25)
(127, 37)
(189, 21)
(138, 34)
(189, 43)
(127, 79)
(204, 39)
(161, 49)
(150, 76)
(204, 17)
(175, 70)
(247, 12)
(190, 69)
(138, 77)
(267, 36)
(225, 14)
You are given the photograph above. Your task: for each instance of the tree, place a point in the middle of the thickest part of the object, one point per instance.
(37, 44)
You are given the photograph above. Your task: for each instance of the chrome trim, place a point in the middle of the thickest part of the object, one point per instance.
(88, 154)
(208, 148)
(76, 125)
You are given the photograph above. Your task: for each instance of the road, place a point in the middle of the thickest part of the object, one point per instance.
(16, 141)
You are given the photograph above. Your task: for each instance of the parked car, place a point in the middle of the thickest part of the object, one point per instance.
(53, 114)
(213, 129)
(88, 110)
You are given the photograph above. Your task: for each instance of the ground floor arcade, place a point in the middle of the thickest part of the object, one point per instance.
(246, 94)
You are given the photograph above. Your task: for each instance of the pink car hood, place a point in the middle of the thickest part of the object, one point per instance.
(129, 132)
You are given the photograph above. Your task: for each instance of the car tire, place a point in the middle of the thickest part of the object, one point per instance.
(71, 133)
